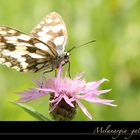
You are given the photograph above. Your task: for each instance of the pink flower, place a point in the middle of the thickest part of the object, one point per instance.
(66, 94)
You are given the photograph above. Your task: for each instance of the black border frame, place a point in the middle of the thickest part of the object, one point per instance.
(93, 128)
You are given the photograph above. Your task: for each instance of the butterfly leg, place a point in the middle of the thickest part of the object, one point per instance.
(56, 71)
(69, 69)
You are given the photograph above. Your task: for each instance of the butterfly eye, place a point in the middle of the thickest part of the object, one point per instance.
(66, 57)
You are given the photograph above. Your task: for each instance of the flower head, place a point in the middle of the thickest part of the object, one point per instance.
(65, 94)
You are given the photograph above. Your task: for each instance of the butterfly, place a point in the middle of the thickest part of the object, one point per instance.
(42, 50)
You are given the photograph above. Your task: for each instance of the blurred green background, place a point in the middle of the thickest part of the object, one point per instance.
(115, 24)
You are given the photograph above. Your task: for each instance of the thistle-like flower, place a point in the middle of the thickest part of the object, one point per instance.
(65, 95)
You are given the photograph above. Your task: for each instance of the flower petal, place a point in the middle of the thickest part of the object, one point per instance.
(103, 91)
(46, 90)
(93, 93)
(79, 76)
(41, 82)
(57, 102)
(100, 101)
(68, 101)
(94, 85)
(84, 109)
(30, 95)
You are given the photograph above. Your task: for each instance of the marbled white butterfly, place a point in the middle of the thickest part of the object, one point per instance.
(42, 50)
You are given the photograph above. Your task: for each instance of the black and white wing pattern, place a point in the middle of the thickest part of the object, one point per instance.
(42, 50)
(23, 52)
(52, 28)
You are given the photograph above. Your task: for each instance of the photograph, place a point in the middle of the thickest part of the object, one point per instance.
(75, 60)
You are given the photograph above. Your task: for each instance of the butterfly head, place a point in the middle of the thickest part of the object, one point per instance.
(64, 58)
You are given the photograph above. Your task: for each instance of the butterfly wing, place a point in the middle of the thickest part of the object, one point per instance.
(23, 52)
(52, 28)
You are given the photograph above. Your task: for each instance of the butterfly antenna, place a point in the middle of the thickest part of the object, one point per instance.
(74, 47)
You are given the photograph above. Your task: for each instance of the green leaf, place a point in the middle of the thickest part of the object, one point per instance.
(39, 116)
